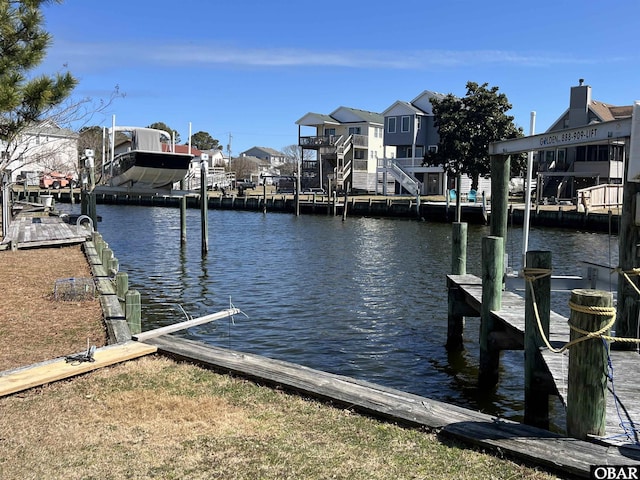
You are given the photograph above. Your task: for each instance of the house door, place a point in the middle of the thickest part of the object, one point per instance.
(433, 184)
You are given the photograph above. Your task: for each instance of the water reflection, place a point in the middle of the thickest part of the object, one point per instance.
(364, 298)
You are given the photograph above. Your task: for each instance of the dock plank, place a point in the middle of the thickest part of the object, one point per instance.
(521, 441)
(22, 379)
(38, 230)
(511, 319)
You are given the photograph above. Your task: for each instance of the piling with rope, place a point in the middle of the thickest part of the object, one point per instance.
(592, 316)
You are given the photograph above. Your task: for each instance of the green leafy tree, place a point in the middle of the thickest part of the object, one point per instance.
(25, 101)
(204, 141)
(166, 128)
(467, 126)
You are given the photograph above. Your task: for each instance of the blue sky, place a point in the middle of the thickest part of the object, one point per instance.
(250, 68)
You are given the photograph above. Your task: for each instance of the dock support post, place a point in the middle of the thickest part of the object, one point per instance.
(536, 396)
(122, 286)
(628, 240)
(346, 199)
(500, 168)
(587, 386)
(133, 311)
(455, 322)
(492, 278)
(183, 214)
(204, 204)
(264, 195)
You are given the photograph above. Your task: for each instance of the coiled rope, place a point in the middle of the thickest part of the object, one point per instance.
(533, 274)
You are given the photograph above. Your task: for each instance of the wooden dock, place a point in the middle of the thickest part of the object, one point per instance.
(510, 334)
(39, 229)
(516, 440)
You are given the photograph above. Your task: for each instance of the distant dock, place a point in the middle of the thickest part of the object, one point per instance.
(394, 206)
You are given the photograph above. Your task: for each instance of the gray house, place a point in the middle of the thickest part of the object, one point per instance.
(269, 155)
(409, 130)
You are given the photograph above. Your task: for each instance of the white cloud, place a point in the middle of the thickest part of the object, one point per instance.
(91, 56)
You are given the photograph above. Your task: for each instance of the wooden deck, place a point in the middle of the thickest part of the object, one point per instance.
(31, 230)
(626, 364)
(513, 439)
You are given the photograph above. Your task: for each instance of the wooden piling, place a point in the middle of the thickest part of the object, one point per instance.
(588, 366)
(105, 257)
(122, 285)
(346, 200)
(538, 290)
(133, 311)
(500, 169)
(628, 240)
(455, 321)
(183, 213)
(459, 248)
(492, 278)
(204, 204)
(264, 195)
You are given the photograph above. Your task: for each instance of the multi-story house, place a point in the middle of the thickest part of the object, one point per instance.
(564, 170)
(271, 156)
(347, 144)
(42, 148)
(409, 130)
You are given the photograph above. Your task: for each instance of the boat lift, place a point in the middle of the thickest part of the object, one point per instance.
(629, 236)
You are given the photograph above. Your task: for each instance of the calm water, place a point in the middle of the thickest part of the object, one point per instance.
(364, 298)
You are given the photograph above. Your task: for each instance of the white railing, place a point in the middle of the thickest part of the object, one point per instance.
(407, 181)
(601, 196)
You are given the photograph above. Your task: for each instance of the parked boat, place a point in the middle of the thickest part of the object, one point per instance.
(144, 157)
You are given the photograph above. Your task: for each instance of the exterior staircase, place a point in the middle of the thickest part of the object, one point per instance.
(342, 171)
(405, 179)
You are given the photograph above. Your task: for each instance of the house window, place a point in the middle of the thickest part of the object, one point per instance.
(354, 130)
(406, 125)
(359, 154)
(419, 152)
(432, 149)
(391, 125)
(329, 132)
(419, 123)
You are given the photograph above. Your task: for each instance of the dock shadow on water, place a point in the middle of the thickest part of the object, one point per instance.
(364, 297)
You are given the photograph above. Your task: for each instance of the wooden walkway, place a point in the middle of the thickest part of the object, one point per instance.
(30, 230)
(527, 443)
(510, 318)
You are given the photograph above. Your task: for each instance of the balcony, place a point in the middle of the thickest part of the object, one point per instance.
(318, 142)
(360, 141)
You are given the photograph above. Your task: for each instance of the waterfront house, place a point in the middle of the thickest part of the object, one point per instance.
(410, 132)
(269, 155)
(41, 148)
(347, 144)
(562, 171)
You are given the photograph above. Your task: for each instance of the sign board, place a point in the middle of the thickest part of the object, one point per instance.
(596, 133)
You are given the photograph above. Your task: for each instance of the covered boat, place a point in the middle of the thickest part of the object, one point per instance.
(144, 157)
